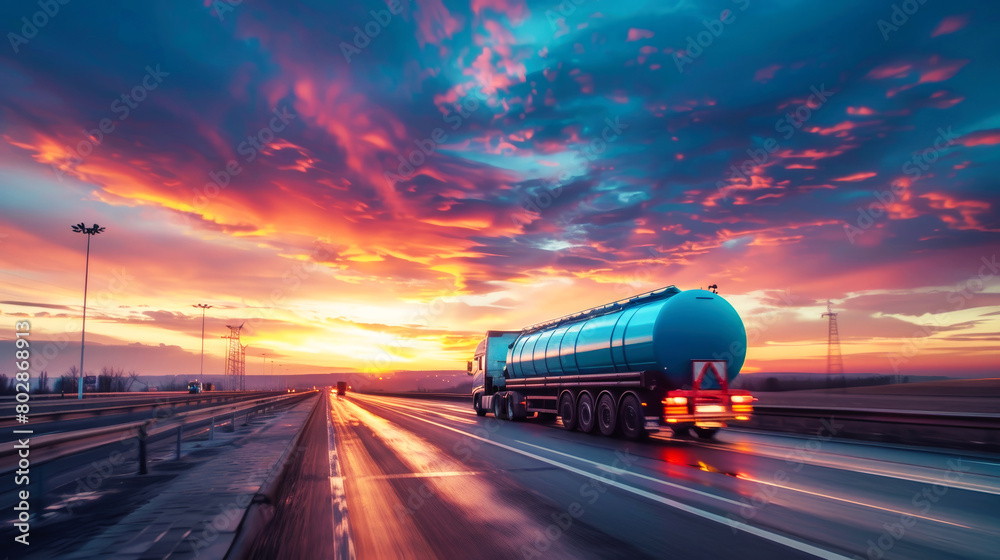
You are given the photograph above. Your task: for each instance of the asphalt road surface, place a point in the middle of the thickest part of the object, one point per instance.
(412, 478)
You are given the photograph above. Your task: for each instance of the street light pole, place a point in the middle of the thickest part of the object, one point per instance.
(89, 232)
(201, 374)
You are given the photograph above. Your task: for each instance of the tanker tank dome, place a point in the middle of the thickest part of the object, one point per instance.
(698, 324)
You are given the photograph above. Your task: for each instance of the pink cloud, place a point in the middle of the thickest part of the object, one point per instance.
(635, 34)
(936, 70)
(950, 25)
(766, 73)
(889, 71)
(515, 10)
(857, 176)
(981, 138)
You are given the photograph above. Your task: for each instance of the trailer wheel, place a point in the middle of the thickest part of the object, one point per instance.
(705, 433)
(478, 406)
(568, 411)
(498, 405)
(586, 419)
(631, 417)
(607, 416)
(681, 431)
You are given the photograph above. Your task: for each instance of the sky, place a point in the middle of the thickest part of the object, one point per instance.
(370, 186)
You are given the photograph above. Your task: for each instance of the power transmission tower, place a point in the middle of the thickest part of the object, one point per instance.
(235, 359)
(834, 361)
(243, 367)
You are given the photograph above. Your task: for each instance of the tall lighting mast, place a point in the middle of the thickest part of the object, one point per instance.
(89, 232)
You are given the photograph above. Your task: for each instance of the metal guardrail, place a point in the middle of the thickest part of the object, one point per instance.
(72, 395)
(75, 413)
(51, 447)
(886, 415)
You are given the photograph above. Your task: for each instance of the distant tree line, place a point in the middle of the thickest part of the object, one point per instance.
(109, 380)
(774, 384)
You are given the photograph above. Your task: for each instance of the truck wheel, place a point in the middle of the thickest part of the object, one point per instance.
(477, 405)
(511, 414)
(498, 406)
(631, 418)
(607, 417)
(681, 431)
(587, 420)
(568, 412)
(705, 433)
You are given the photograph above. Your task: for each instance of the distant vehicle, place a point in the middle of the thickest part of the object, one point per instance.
(195, 387)
(208, 386)
(341, 388)
(660, 359)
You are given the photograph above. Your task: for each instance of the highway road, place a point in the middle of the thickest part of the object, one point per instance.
(413, 478)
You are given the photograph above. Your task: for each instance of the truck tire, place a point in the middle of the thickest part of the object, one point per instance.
(498, 405)
(607, 416)
(631, 418)
(682, 431)
(586, 417)
(477, 405)
(705, 433)
(567, 409)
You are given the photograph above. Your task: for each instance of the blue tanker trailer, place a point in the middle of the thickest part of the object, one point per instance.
(663, 358)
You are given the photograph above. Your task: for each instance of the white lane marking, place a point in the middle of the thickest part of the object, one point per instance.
(862, 465)
(411, 405)
(343, 545)
(798, 454)
(419, 475)
(732, 523)
(845, 500)
(613, 470)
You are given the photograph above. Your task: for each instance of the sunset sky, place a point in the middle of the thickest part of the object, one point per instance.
(372, 185)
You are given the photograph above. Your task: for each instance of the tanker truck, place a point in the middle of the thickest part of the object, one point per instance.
(661, 359)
